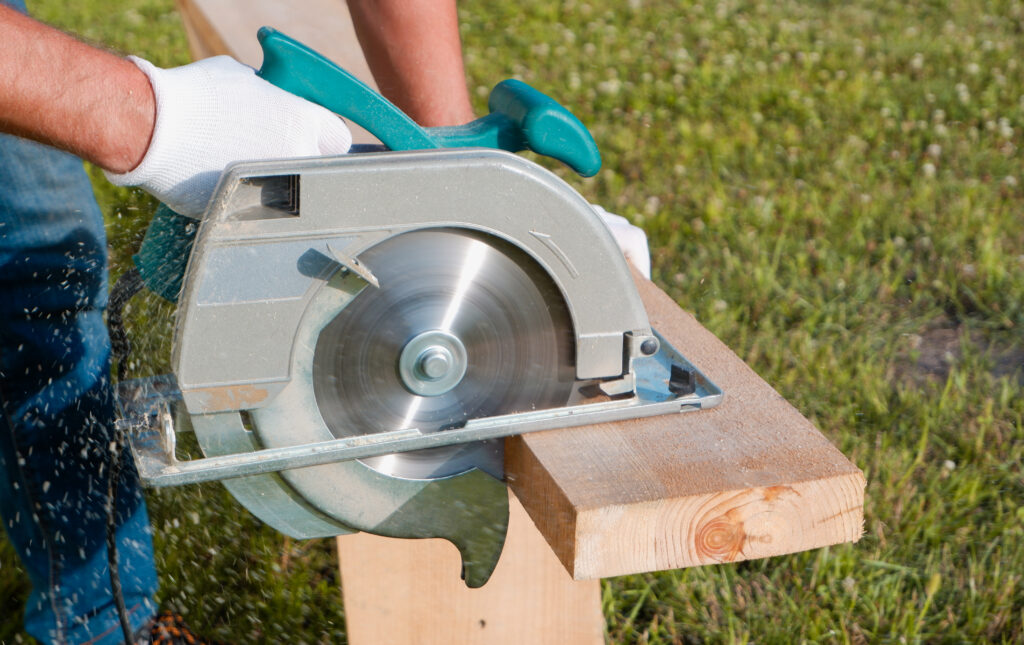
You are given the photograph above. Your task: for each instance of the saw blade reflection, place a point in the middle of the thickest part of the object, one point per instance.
(489, 296)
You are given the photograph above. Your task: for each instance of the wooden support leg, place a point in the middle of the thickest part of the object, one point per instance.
(409, 591)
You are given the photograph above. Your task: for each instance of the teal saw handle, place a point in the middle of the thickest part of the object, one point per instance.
(521, 118)
(296, 68)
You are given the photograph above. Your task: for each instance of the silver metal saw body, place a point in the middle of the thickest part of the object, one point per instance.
(356, 335)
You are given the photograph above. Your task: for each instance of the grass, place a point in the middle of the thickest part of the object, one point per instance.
(836, 190)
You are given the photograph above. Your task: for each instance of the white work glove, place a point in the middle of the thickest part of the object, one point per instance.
(631, 240)
(216, 111)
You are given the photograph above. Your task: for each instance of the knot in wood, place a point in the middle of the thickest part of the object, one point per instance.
(720, 539)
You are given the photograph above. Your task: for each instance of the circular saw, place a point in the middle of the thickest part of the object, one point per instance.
(356, 335)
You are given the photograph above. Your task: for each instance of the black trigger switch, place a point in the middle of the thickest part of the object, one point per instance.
(682, 381)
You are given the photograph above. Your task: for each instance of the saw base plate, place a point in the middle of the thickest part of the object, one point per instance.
(148, 414)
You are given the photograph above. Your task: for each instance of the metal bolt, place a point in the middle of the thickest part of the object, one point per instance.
(649, 346)
(434, 363)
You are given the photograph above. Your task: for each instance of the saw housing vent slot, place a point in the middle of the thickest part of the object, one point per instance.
(266, 197)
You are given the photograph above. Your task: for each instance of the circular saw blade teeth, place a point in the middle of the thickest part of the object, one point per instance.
(511, 344)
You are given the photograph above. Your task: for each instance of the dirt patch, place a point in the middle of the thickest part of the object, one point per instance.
(931, 354)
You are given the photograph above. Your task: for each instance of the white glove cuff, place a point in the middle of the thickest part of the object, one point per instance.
(167, 159)
(631, 239)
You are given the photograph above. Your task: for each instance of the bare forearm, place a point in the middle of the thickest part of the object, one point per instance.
(57, 90)
(415, 54)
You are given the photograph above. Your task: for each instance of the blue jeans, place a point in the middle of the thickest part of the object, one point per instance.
(56, 406)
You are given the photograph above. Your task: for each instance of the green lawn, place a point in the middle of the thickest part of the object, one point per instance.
(836, 189)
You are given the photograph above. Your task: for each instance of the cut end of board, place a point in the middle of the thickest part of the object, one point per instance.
(751, 478)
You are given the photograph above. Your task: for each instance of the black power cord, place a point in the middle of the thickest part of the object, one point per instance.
(112, 557)
(129, 284)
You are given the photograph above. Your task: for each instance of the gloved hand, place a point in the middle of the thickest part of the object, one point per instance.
(631, 240)
(216, 111)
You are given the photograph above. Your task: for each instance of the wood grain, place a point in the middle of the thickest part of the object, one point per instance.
(751, 478)
(409, 591)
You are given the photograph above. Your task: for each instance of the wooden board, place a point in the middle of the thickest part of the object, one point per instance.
(229, 27)
(409, 591)
(748, 479)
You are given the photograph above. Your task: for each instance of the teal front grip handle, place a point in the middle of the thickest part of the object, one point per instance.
(549, 128)
(523, 118)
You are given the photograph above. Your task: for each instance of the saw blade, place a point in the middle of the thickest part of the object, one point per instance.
(463, 326)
